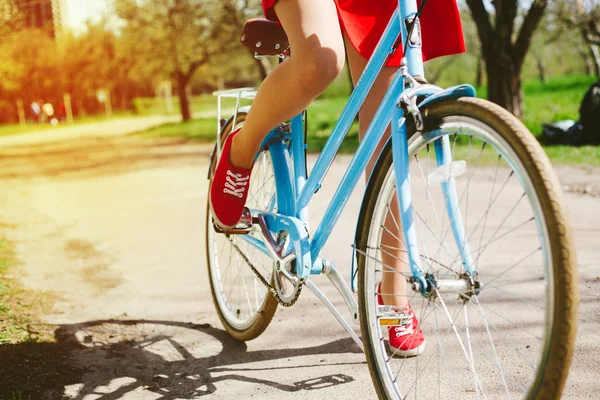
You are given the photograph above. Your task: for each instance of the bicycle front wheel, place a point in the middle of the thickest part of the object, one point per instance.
(512, 338)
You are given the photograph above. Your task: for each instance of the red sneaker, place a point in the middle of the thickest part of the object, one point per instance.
(408, 340)
(229, 189)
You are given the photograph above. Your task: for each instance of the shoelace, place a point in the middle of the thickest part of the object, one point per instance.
(235, 184)
(408, 329)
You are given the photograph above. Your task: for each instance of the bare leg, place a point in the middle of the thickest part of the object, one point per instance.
(317, 57)
(393, 255)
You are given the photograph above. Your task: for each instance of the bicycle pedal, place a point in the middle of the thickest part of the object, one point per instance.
(243, 227)
(392, 316)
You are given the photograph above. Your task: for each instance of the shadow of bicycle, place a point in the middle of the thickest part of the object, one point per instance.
(109, 359)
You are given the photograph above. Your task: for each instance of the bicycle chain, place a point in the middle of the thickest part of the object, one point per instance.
(264, 281)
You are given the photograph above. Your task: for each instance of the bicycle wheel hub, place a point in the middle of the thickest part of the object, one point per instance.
(465, 286)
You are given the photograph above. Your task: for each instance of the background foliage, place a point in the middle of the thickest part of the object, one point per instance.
(194, 45)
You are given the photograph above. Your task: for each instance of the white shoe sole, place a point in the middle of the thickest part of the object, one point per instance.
(406, 353)
(222, 228)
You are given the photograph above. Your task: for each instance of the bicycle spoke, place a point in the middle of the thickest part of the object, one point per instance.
(425, 258)
(486, 213)
(396, 224)
(469, 340)
(441, 244)
(480, 250)
(395, 258)
(257, 293)
(483, 218)
(487, 329)
(247, 295)
(467, 201)
(512, 266)
(428, 197)
(489, 202)
(446, 335)
(451, 321)
(440, 351)
(507, 339)
(487, 357)
(537, 337)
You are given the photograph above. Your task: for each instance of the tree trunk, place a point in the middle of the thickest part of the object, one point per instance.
(505, 88)
(595, 53)
(504, 48)
(587, 61)
(541, 70)
(184, 100)
(263, 67)
(479, 76)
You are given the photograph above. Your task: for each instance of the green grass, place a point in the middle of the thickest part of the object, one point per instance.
(556, 100)
(19, 308)
(199, 104)
(203, 129)
(589, 155)
(158, 106)
(322, 116)
(33, 361)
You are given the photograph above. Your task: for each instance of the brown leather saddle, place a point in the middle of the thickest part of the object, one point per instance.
(266, 38)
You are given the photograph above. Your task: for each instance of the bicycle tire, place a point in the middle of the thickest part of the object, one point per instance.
(554, 363)
(264, 314)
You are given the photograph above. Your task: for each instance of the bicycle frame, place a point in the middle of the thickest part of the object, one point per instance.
(295, 190)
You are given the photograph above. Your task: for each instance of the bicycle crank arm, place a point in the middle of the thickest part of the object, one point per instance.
(297, 247)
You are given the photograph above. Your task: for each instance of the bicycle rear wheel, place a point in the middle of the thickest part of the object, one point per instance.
(244, 304)
(514, 338)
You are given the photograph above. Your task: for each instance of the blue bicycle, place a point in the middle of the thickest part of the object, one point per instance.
(483, 237)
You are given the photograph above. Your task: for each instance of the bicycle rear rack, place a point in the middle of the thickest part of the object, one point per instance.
(247, 93)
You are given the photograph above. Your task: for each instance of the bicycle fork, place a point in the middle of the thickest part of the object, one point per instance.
(423, 281)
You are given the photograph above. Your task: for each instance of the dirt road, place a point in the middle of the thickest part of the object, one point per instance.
(115, 228)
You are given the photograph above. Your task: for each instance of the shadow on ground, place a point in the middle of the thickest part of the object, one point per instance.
(111, 358)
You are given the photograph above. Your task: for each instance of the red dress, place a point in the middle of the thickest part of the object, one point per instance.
(364, 24)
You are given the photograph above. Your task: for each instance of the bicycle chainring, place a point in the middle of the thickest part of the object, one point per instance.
(284, 302)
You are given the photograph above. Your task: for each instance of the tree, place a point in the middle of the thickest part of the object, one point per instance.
(583, 15)
(99, 59)
(474, 46)
(34, 65)
(504, 47)
(10, 70)
(10, 21)
(173, 39)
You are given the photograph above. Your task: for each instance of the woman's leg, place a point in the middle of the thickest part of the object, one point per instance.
(317, 57)
(393, 283)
